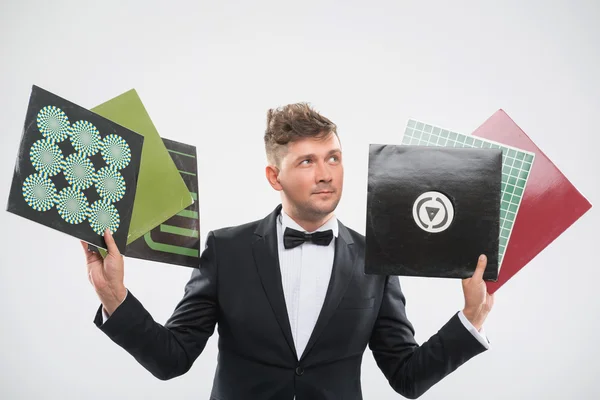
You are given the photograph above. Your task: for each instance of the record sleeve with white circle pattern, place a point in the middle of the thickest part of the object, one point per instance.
(431, 211)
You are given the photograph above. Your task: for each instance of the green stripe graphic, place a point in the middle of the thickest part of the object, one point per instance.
(181, 154)
(188, 214)
(178, 231)
(168, 248)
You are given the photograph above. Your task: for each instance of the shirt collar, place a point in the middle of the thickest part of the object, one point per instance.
(287, 222)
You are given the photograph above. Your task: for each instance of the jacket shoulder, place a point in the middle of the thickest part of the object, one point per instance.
(235, 232)
(357, 238)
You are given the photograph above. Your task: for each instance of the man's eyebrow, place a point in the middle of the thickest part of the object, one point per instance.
(332, 151)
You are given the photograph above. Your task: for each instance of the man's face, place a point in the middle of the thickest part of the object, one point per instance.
(311, 176)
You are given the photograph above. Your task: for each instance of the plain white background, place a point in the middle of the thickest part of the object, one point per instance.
(207, 73)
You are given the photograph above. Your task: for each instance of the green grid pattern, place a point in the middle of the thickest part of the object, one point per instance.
(516, 165)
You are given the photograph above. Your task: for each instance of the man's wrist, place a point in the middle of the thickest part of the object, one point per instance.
(472, 316)
(115, 300)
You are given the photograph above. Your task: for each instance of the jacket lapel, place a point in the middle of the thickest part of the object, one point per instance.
(266, 257)
(341, 275)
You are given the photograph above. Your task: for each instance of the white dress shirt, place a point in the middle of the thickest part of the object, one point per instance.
(305, 274)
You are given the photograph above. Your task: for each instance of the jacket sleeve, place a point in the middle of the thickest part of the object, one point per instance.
(169, 351)
(411, 369)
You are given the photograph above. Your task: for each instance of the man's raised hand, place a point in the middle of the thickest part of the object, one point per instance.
(106, 275)
(478, 302)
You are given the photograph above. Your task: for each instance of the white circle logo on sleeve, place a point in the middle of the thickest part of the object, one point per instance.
(433, 212)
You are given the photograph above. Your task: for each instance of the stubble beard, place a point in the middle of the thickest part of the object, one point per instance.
(310, 211)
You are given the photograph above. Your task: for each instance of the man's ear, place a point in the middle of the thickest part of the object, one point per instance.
(272, 174)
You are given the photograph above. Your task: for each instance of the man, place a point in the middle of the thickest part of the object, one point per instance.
(295, 311)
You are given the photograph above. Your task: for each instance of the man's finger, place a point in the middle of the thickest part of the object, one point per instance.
(91, 261)
(490, 300)
(481, 264)
(90, 256)
(113, 250)
(86, 252)
(85, 247)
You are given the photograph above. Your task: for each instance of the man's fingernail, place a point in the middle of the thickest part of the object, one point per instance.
(482, 257)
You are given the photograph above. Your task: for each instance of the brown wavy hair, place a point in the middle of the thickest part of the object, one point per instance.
(290, 123)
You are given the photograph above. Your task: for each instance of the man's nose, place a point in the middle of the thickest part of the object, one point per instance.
(323, 173)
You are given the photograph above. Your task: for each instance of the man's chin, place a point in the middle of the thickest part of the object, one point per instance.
(324, 208)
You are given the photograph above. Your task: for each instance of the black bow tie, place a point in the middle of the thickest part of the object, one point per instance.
(293, 238)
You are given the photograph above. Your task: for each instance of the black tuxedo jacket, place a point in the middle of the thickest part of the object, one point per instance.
(237, 288)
